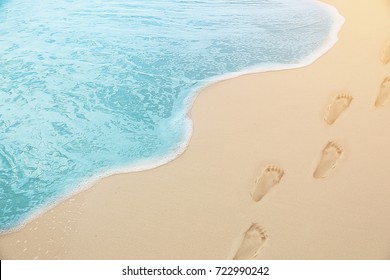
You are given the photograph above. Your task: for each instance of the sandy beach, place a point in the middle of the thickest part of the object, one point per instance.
(289, 164)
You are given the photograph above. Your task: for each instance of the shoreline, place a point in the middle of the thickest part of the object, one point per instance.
(144, 165)
(150, 164)
(119, 181)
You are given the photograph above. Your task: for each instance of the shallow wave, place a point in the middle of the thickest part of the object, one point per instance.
(98, 87)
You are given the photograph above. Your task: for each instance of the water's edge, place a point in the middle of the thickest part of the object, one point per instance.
(154, 163)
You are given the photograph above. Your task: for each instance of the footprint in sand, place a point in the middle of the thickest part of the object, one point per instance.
(270, 176)
(384, 93)
(254, 239)
(386, 53)
(330, 155)
(337, 106)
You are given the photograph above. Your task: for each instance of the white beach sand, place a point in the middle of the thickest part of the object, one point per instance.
(199, 206)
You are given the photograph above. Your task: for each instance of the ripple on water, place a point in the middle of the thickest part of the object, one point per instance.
(96, 87)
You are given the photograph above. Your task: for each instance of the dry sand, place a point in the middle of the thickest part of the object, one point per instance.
(200, 206)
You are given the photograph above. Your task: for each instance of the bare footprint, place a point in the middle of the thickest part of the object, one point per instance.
(386, 53)
(337, 106)
(330, 155)
(270, 176)
(384, 93)
(254, 239)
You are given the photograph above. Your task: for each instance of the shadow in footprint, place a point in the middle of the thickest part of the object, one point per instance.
(386, 53)
(337, 106)
(253, 240)
(270, 176)
(384, 93)
(329, 158)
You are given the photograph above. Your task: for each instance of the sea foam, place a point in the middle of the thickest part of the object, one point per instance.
(93, 88)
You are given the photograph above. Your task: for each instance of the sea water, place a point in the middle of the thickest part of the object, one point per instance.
(96, 87)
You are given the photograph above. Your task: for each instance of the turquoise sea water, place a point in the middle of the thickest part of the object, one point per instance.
(93, 87)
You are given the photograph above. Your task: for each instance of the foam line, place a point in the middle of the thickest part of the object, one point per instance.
(175, 153)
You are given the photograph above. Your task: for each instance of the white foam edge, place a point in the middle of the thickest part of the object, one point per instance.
(332, 39)
(86, 184)
(328, 43)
